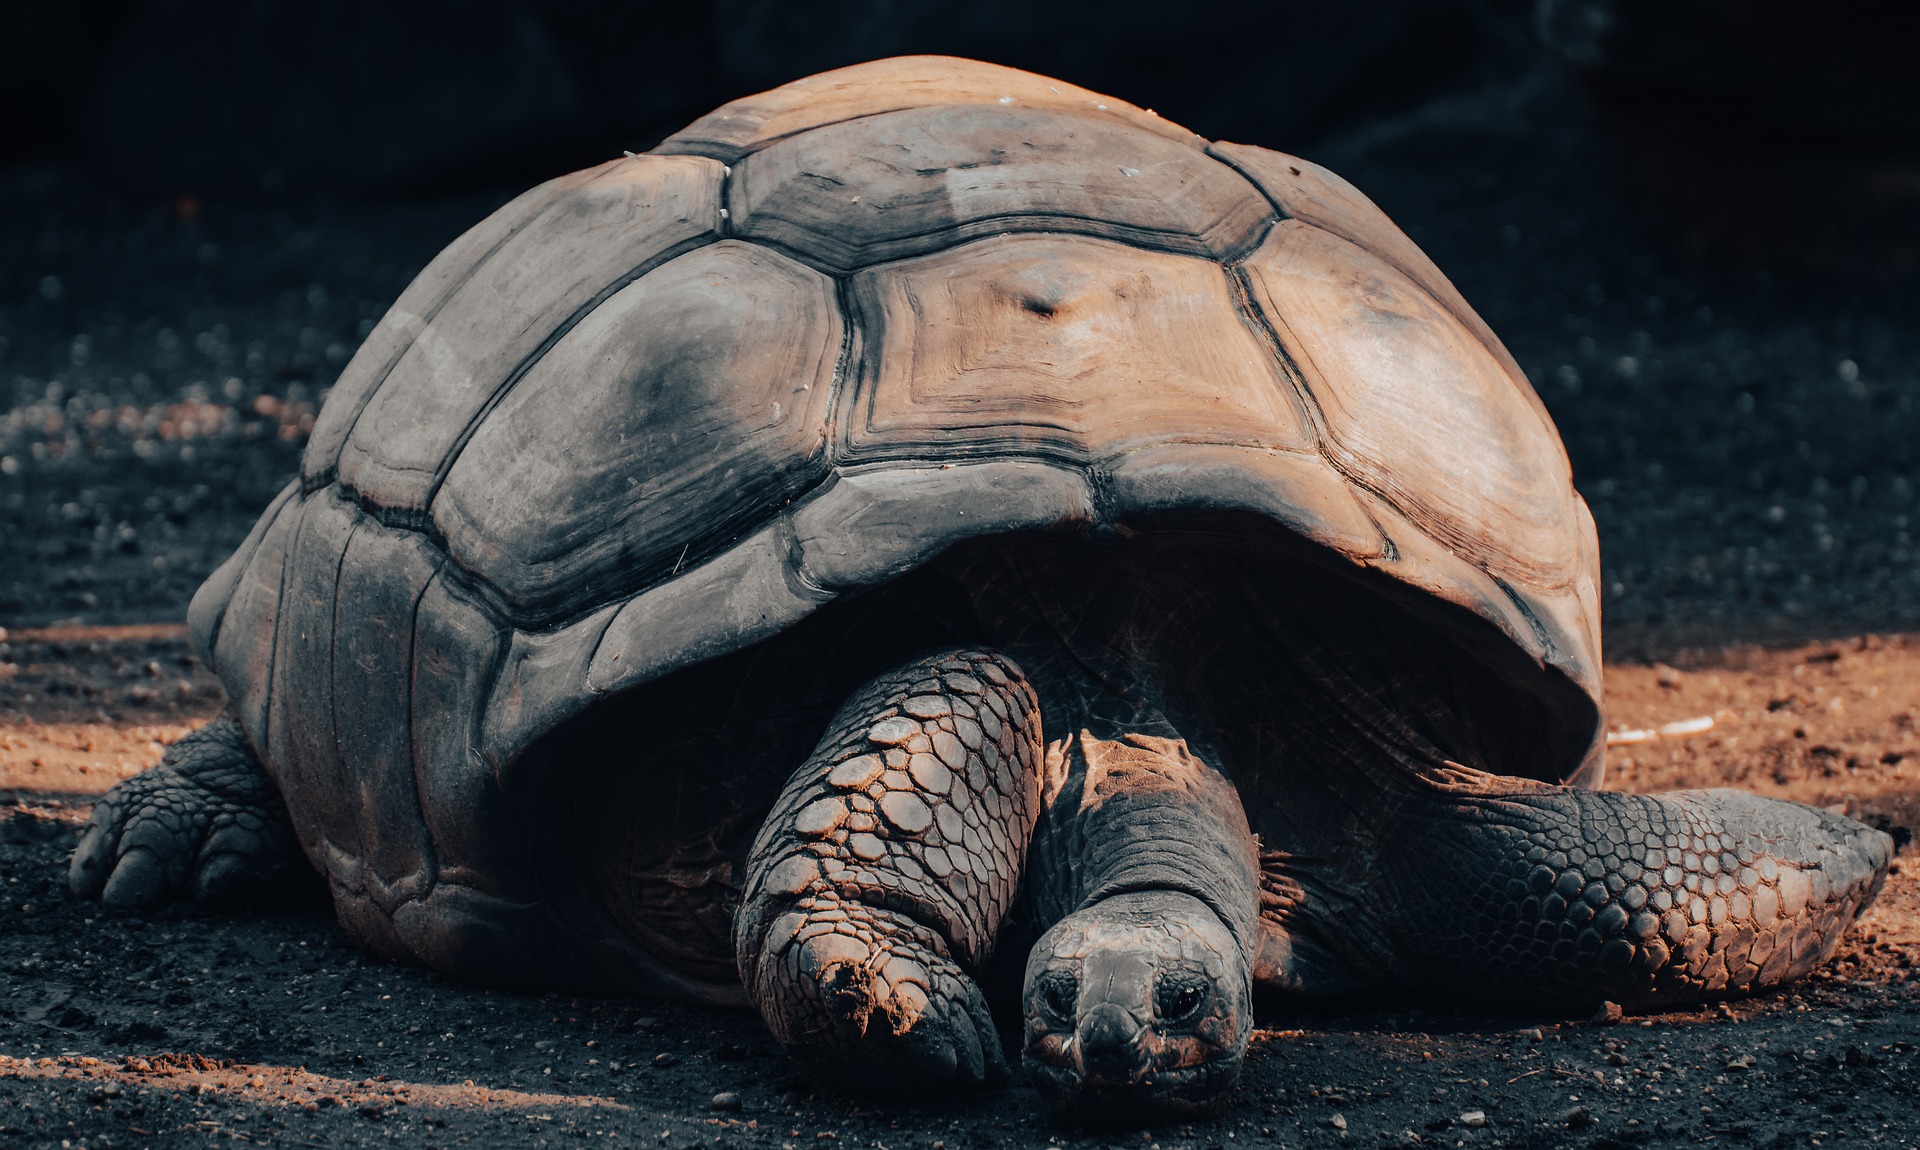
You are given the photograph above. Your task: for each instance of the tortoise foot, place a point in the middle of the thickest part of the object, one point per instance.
(884, 871)
(870, 999)
(206, 825)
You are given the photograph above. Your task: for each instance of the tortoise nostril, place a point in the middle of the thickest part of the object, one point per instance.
(1109, 1042)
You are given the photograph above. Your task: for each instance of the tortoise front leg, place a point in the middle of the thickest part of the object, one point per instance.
(880, 879)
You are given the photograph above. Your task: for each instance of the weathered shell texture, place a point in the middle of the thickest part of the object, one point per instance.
(656, 411)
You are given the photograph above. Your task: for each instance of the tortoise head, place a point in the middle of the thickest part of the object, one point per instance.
(1138, 1004)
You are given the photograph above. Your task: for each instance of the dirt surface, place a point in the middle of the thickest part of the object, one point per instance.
(1747, 442)
(189, 1026)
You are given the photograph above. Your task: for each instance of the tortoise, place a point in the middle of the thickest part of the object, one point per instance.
(928, 511)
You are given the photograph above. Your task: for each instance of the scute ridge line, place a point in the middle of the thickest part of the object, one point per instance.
(1139, 238)
(1269, 328)
(279, 617)
(846, 369)
(738, 153)
(1527, 612)
(724, 226)
(333, 661)
(432, 860)
(393, 518)
(271, 516)
(526, 364)
(1248, 177)
(326, 475)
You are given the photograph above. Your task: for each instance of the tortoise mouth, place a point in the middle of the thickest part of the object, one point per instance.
(1252, 635)
(1186, 1090)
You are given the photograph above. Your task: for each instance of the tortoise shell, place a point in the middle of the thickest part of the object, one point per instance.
(657, 411)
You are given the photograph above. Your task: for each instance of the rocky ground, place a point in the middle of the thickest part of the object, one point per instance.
(1745, 436)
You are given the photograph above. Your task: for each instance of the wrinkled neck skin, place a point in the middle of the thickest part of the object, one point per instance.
(1138, 997)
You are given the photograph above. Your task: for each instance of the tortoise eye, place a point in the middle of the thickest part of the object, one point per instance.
(1059, 994)
(1178, 1000)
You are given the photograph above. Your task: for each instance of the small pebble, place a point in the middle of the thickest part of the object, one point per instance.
(1608, 1014)
(1474, 1118)
(726, 1100)
(1338, 1121)
(665, 1060)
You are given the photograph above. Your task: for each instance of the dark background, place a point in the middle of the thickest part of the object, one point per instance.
(1695, 222)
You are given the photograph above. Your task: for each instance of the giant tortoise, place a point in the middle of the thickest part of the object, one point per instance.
(928, 506)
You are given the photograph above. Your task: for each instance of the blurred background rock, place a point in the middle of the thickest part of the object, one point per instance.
(1694, 221)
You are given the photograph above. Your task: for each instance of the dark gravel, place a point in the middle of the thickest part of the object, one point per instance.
(295, 1037)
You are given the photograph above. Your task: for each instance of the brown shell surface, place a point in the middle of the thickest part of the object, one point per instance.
(658, 410)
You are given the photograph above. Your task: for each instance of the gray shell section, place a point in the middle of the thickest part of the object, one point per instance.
(606, 435)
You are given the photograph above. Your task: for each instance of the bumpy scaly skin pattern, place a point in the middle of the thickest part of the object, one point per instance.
(878, 882)
(1556, 895)
(207, 824)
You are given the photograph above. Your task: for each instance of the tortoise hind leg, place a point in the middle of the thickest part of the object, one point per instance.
(207, 825)
(878, 882)
(1529, 892)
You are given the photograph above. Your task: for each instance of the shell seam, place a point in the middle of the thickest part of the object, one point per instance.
(270, 517)
(1029, 223)
(526, 364)
(279, 621)
(734, 153)
(431, 864)
(327, 474)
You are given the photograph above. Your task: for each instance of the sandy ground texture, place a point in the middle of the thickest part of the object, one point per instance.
(1746, 439)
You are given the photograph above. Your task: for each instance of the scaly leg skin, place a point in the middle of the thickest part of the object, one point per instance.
(1521, 891)
(207, 825)
(878, 882)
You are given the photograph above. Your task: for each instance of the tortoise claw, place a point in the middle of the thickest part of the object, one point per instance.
(138, 880)
(207, 824)
(869, 1000)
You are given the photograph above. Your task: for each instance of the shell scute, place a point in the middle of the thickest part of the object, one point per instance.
(1297, 489)
(418, 305)
(749, 124)
(1414, 407)
(902, 184)
(209, 606)
(1307, 192)
(383, 575)
(243, 646)
(585, 243)
(1059, 346)
(872, 526)
(667, 422)
(300, 736)
(456, 645)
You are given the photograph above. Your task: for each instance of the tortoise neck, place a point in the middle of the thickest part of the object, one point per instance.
(1096, 689)
(1084, 633)
(1140, 816)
